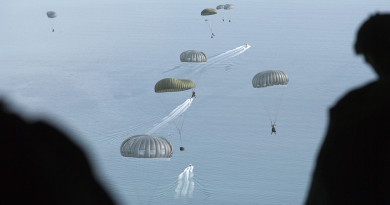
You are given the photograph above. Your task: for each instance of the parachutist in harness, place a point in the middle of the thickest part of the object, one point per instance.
(273, 130)
(193, 94)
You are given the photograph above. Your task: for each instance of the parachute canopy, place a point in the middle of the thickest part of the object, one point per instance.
(269, 78)
(193, 56)
(208, 11)
(173, 85)
(51, 14)
(220, 7)
(146, 146)
(228, 6)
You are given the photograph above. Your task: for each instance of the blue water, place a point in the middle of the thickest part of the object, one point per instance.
(95, 76)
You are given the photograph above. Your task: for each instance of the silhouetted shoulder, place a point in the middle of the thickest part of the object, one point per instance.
(41, 165)
(366, 99)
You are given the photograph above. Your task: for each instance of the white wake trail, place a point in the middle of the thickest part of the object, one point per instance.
(179, 110)
(215, 59)
(230, 53)
(221, 57)
(185, 184)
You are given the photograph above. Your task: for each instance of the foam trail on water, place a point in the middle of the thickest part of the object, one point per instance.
(222, 57)
(172, 115)
(216, 59)
(185, 184)
(230, 53)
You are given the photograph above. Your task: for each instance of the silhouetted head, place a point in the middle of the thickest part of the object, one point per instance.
(373, 41)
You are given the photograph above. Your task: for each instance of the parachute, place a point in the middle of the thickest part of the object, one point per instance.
(220, 7)
(271, 84)
(228, 7)
(193, 56)
(51, 14)
(269, 78)
(209, 12)
(173, 85)
(146, 146)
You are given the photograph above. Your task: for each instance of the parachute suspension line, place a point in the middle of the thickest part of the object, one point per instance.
(179, 125)
(268, 111)
(280, 102)
(211, 29)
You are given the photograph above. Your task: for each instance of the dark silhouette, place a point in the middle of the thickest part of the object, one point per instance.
(193, 94)
(41, 165)
(353, 165)
(273, 129)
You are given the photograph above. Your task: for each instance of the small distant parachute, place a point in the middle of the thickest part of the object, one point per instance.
(220, 7)
(173, 85)
(146, 146)
(269, 78)
(208, 11)
(193, 56)
(51, 14)
(228, 6)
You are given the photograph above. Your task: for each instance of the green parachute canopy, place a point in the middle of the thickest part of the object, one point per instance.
(193, 56)
(51, 14)
(146, 146)
(173, 85)
(208, 11)
(269, 78)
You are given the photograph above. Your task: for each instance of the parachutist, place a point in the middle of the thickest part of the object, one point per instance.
(193, 94)
(273, 130)
(52, 30)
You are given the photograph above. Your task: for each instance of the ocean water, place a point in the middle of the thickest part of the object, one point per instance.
(94, 76)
